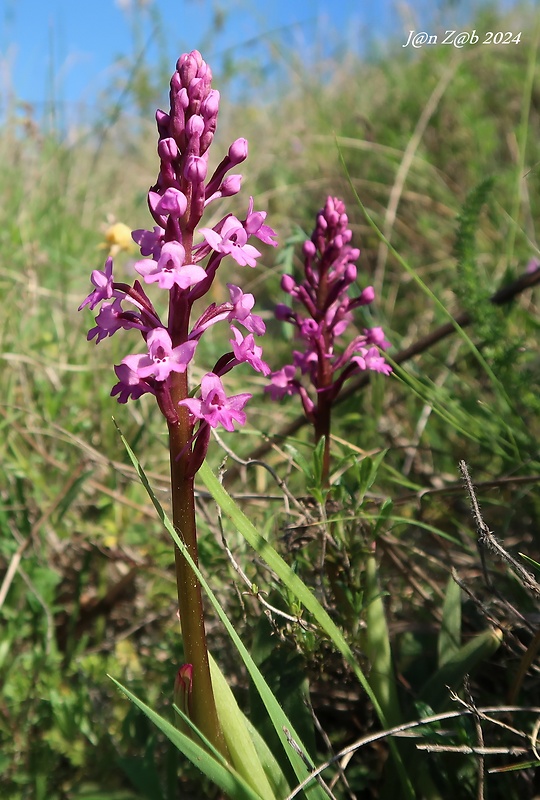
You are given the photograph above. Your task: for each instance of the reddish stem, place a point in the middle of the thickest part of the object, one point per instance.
(190, 604)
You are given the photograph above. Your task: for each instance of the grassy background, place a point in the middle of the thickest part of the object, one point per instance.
(87, 570)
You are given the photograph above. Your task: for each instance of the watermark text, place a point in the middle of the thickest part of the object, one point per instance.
(417, 39)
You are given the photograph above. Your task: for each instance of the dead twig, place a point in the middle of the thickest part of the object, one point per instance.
(487, 541)
(297, 749)
(345, 754)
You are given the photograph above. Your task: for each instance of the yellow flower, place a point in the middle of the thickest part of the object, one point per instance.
(118, 238)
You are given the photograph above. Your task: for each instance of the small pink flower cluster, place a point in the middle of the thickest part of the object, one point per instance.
(329, 274)
(173, 260)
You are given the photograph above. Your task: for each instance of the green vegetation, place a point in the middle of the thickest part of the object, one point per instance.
(436, 156)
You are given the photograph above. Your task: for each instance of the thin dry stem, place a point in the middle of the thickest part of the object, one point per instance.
(487, 541)
(397, 730)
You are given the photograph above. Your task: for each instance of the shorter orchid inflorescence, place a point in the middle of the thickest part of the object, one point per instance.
(327, 306)
(174, 262)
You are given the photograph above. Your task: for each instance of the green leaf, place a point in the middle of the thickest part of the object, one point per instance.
(369, 468)
(450, 634)
(244, 755)
(219, 773)
(530, 560)
(318, 466)
(72, 494)
(461, 663)
(377, 646)
(143, 772)
(300, 461)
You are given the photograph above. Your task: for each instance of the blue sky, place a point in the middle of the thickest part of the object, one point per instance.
(77, 42)
(80, 40)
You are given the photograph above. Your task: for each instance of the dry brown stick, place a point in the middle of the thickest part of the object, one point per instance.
(502, 296)
(346, 752)
(481, 765)
(487, 541)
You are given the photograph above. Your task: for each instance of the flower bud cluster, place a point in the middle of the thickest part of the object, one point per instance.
(173, 259)
(327, 306)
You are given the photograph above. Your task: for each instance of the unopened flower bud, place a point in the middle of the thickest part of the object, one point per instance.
(195, 125)
(167, 149)
(210, 107)
(195, 169)
(188, 65)
(309, 249)
(332, 219)
(162, 120)
(350, 273)
(205, 72)
(367, 296)
(288, 284)
(173, 201)
(238, 151)
(231, 185)
(282, 312)
(178, 118)
(176, 84)
(196, 91)
(183, 98)
(182, 691)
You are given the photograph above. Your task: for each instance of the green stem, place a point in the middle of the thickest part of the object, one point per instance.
(190, 604)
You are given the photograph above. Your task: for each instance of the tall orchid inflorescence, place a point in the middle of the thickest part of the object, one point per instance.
(185, 266)
(327, 306)
(174, 262)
